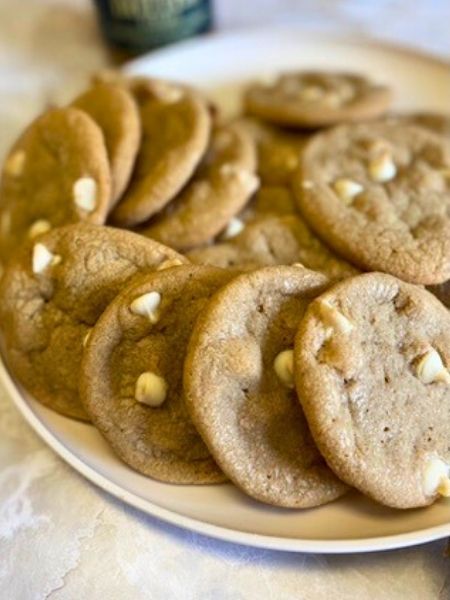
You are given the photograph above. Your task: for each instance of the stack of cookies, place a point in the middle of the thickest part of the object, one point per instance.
(239, 300)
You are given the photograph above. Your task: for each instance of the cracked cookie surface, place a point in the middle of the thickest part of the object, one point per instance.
(379, 194)
(371, 363)
(52, 294)
(274, 241)
(239, 388)
(138, 346)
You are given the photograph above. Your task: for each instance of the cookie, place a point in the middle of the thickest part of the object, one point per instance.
(379, 194)
(311, 99)
(278, 151)
(273, 200)
(219, 189)
(274, 241)
(132, 374)
(56, 173)
(175, 132)
(239, 388)
(52, 294)
(114, 110)
(371, 367)
(437, 122)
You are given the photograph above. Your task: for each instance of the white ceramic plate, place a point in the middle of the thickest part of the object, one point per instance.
(353, 524)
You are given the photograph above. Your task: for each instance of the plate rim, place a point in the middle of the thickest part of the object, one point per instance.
(342, 546)
(308, 36)
(226, 534)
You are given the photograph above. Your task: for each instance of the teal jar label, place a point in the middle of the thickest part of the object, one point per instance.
(139, 25)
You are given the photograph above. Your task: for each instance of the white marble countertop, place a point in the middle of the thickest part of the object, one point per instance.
(62, 538)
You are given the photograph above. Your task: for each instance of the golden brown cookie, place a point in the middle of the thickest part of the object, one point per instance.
(372, 359)
(274, 241)
(240, 393)
(175, 132)
(273, 200)
(278, 150)
(220, 188)
(313, 99)
(56, 173)
(437, 122)
(115, 111)
(379, 195)
(52, 294)
(132, 374)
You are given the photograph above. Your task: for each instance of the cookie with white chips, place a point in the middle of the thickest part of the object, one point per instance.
(379, 195)
(371, 364)
(52, 294)
(310, 99)
(138, 346)
(56, 173)
(219, 189)
(240, 392)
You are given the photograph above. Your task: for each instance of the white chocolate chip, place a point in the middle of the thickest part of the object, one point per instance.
(431, 369)
(85, 193)
(284, 367)
(307, 185)
(15, 163)
(43, 258)
(436, 478)
(382, 168)
(151, 389)
(39, 227)
(334, 319)
(86, 337)
(169, 263)
(147, 306)
(234, 228)
(347, 189)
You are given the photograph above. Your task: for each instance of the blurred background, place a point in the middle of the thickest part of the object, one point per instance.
(48, 48)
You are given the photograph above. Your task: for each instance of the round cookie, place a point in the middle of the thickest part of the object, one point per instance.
(379, 194)
(219, 190)
(175, 132)
(313, 99)
(239, 388)
(52, 294)
(371, 366)
(114, 110)
(274, 241)
(56, 173)
(132, 382)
